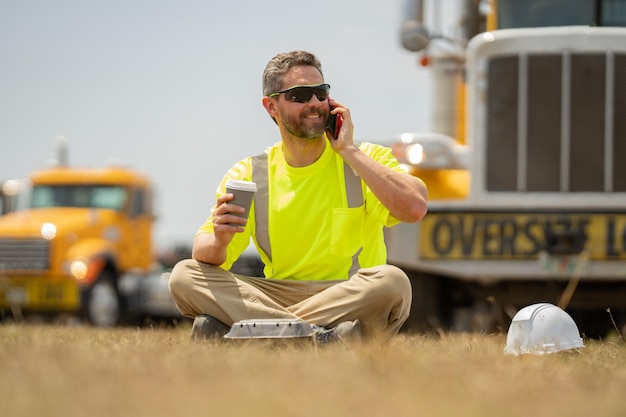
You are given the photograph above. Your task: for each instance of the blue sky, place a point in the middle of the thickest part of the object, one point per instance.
(173, 88)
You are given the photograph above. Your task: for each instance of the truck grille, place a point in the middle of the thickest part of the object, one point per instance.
(24, 255)
(555, 123)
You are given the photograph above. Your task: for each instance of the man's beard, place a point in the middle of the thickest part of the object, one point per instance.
(304, 129)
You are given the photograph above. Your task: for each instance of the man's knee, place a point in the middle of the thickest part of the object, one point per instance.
(179, 277)
(396, 279)
(389, 280)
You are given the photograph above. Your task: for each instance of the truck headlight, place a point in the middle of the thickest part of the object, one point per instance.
(78, 269)
(415, 153)
(430, 151)
(48, 231)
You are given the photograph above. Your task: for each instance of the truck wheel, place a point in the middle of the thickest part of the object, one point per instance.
(425, 317)
(103, 303)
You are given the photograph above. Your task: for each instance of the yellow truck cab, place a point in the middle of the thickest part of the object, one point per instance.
(80, 246)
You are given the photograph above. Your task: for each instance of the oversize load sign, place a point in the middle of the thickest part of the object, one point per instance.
(520, 236)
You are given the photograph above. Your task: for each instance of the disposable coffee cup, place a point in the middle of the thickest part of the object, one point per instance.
(244, 193)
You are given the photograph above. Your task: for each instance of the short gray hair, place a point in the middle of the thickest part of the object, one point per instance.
(278, 66)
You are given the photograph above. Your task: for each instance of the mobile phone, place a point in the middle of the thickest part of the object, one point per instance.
(334, 124)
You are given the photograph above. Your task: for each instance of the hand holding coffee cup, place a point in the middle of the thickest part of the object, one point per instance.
(244, 193)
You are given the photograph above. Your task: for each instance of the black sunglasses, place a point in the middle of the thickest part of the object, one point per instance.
(303, 93)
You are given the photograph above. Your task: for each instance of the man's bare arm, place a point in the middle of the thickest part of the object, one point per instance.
(404, 195)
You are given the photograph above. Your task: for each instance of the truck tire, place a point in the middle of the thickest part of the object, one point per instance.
(425, 314)
(103, 305)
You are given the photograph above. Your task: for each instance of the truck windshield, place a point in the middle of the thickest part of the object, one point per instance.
(89, 196)
(542, 13)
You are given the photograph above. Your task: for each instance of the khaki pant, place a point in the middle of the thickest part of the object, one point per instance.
(380, 297)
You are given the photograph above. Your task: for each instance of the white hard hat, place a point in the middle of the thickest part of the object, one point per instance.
(542, 328)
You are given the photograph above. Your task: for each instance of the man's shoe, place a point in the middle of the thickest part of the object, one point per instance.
(347, 331)
(207, 327)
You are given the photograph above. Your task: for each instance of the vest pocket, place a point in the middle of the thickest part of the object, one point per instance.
(347, 231)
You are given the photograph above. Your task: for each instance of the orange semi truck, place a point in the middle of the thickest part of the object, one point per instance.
(525, 166)
(79, 241)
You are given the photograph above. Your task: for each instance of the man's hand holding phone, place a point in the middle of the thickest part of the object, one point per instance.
(335, 121)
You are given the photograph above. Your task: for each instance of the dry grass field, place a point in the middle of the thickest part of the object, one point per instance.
(78, 371)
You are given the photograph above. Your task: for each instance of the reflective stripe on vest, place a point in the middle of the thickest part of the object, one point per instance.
(354, 194)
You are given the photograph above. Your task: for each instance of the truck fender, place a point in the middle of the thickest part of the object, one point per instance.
(88, 258)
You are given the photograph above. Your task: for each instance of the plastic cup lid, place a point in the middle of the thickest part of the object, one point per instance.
(241, 185)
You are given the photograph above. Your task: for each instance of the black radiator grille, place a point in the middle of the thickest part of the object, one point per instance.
(556, 123)
(24, 254)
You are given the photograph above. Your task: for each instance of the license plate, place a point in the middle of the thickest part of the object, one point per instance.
(522, 236)
(39, 294)
(568, 265)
